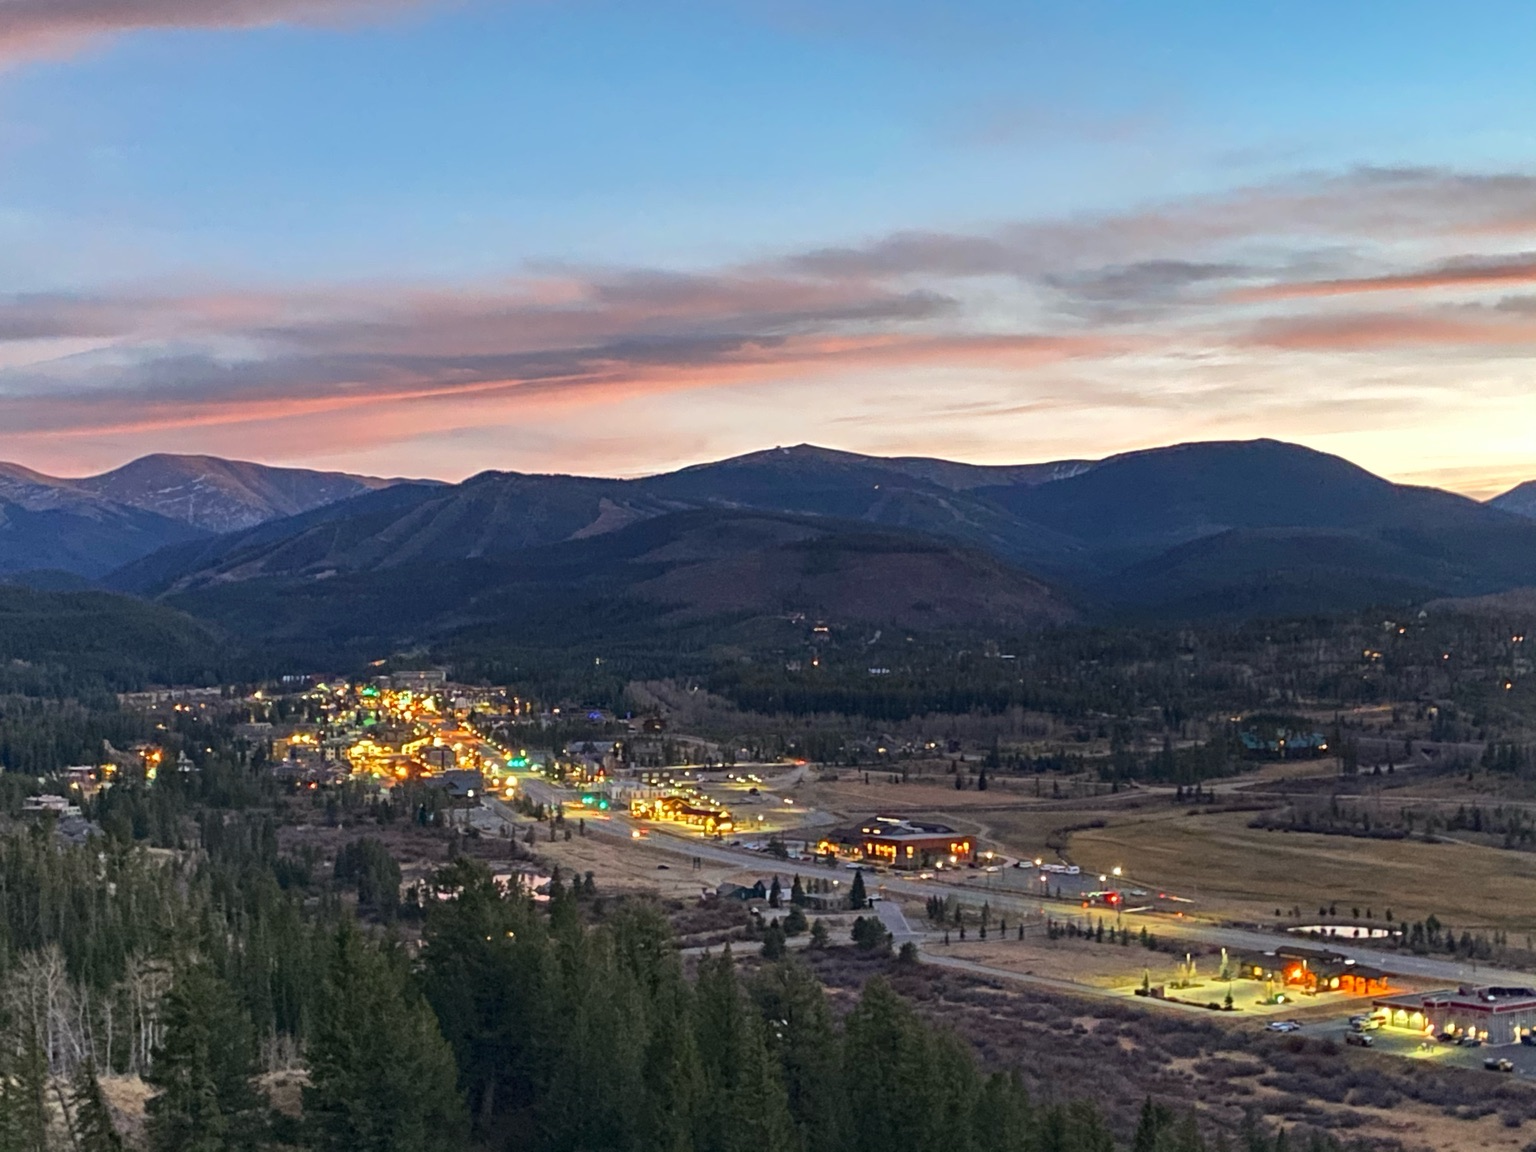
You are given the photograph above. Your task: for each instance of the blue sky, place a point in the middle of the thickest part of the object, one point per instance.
(439, 237)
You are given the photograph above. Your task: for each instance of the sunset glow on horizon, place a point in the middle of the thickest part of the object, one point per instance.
(433, 238)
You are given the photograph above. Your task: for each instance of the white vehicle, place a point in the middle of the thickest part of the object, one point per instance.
(1062, 869)
(1283, 1026)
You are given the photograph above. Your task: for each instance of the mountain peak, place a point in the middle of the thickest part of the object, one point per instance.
(218, 495)
(1520, 500)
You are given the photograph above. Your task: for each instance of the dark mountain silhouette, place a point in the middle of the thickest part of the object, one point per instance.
(640, 580)
(1149, 501)
(1233, 528)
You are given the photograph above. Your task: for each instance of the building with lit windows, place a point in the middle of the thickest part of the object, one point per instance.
(710, 819)
(1313, 970)
(898, 842)
(1493, 1015)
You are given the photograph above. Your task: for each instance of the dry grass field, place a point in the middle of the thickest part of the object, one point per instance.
(1214, 858)
(1223, 864)
(1097, 965)
(851, 796)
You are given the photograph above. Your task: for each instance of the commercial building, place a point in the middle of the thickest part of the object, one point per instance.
(1314, 970)
(900, 843)
(679, 810)
(1494, 1015)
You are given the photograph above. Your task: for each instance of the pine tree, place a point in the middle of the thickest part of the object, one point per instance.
(92, 1120)
(857, 898)
(674, 1081)
(1155, 1120)
(24, 1097)
(203, 1069)
(776, 894)
(797, 892)
(382, 1078)
(913, 1085)
(484, 965)
(749, 1110)
(803, 1040)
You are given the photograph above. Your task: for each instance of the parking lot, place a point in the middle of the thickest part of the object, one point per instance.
(1413, 1046)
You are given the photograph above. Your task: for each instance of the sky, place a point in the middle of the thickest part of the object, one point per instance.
(433, 237)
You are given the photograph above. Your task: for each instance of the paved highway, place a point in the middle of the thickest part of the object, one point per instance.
(1431, 968)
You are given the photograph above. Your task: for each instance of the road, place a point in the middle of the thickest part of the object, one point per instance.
(1430, 968)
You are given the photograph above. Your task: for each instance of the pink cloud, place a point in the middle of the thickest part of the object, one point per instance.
(46, 27)
(1376, 331)
(1456, 274)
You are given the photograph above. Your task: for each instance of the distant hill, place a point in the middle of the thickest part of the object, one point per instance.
(92, 525)
(921, 495)
(636, 582)
(45, 528)
(1520, 500)
(1226, 528)
(1156, 499)
(71, 641)
(488, 517)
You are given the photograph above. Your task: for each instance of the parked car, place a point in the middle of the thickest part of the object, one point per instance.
(1359, 1040)
(1470, 1041)
(1283, 1026)
(1498, 1064)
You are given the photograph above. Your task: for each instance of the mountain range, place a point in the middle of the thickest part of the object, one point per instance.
(92, 525)
(1206, 529)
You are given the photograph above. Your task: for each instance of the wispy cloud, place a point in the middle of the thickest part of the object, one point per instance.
(1220, 313)
(43, 27)
(197, 360)
(1467, 272)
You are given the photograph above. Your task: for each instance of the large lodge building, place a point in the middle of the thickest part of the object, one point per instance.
(1313, 970)
(898, 842)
